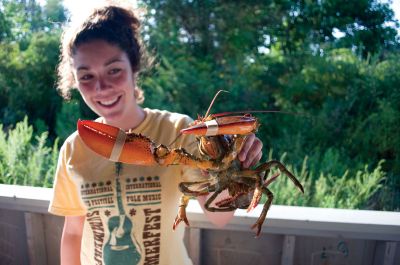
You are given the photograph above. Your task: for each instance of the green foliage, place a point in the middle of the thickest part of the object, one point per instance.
(350, 190)
(24, 18)
(29, 51)
(66, 119)
(284, 55)
(69, 114)
(25, 159)
(27, 88)
(236, 29)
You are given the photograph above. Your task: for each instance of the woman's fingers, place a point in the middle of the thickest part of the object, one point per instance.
(246, 147)
(251, 152)
(256, 159)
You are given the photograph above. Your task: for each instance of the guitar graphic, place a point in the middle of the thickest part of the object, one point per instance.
(120, 248)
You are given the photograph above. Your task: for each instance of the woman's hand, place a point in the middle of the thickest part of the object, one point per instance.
(251, 152)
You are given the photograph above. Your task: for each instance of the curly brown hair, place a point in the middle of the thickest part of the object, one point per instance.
(114, 24)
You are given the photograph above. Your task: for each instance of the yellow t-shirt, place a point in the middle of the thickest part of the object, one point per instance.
(129, 217)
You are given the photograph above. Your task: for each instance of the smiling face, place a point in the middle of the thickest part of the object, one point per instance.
(107, 83)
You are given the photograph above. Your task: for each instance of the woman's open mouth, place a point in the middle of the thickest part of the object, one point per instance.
(109, 103)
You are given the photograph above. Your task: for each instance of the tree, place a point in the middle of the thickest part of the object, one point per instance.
(28, 59)
(286, 55)
(26, 17)
(211, 45)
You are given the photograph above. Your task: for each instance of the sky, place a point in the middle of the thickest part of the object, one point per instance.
(396, 8)
(77, 8)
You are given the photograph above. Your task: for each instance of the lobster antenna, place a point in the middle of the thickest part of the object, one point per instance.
(259, 111)
(209, 108)
(212, 102)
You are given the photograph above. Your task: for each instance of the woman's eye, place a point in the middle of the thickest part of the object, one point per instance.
(85, 77)
(114, 71)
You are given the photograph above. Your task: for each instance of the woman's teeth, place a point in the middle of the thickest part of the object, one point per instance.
(108, 102)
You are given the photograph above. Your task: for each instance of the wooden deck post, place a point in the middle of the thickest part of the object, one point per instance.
(390, 253)
(288, 250)
(194, 245)
(35, 237)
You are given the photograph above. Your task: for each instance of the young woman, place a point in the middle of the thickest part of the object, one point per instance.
(114, 213)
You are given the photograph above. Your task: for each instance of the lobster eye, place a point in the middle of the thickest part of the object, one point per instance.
(228, 137)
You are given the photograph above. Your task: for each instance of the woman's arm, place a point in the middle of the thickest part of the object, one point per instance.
(71, 240)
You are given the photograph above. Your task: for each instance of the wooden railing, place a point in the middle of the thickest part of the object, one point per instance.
(291, 235)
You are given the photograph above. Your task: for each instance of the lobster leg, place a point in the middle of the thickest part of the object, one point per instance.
(184, 200)
(184, 188)
(267, 165)
(179, 156)
(214, 209)
(258, 224)
(258, 191)
(181, 215)
(252, 178)
(262, 189)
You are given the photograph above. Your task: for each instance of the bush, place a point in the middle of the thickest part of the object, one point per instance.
(24, 158)
(348, 190)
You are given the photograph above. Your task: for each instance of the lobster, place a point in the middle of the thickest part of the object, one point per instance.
(220, 138)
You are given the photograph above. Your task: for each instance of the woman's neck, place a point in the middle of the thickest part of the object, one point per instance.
(130, 121)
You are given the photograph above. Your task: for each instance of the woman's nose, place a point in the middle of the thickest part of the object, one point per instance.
(101, 84)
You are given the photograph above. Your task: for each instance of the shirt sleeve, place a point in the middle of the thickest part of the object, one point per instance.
(66, 200)
(189, 142)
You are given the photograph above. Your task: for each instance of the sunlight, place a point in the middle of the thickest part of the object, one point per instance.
(79, 9)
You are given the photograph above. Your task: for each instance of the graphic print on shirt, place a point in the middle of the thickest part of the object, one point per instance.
(98, 196)
(111, 223)
(145, 192)
(120, 248)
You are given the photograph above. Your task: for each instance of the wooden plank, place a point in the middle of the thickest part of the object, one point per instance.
(194, 245)
(311, 221)
(390, 253)
(53, 226)
(379, 226)
(307, 221)
(35, 237)
(369, 249)
(288, 250)
(13, 246)
(25, 198)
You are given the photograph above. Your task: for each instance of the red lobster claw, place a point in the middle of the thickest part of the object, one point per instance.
(115, 145)
(223, 125)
